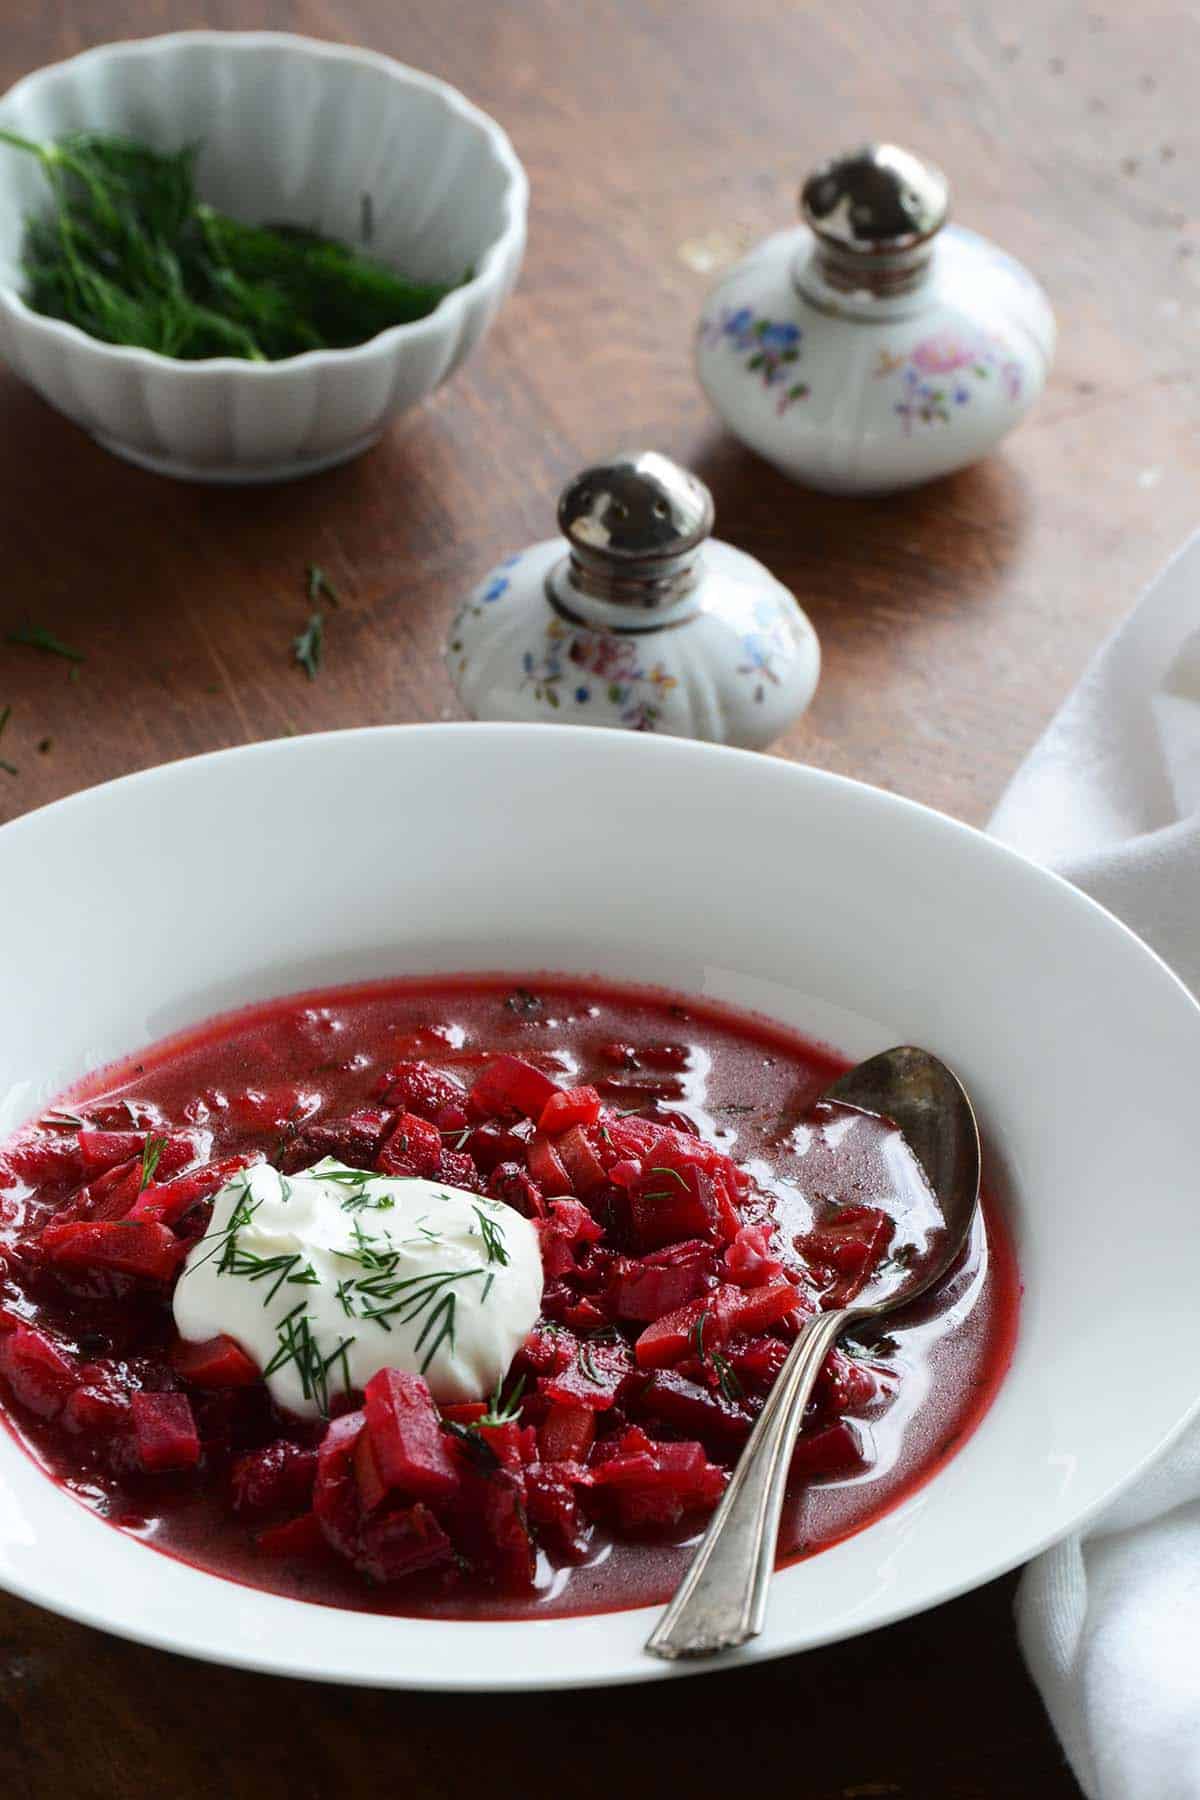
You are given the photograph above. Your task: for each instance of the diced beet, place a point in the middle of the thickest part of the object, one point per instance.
(757, 1309)
(354, 1140)
(513, 1185)
(506, 1524)
(570, 1106)
(406, 1436)
(40, 1374)
(44, 1158)
(464, 1412)
(568, 1229)
(169, 1201)
(113, 1194)
(748, 1259)
(583, 1168)
(513, 1445)
(296, 1537)
(413, 1149)
(566, 1433)
(457, 1170)
(553, 1507)
(844, 1386)
(656, 1484)
(335, 1493)
(663, 1281)
(491, 1144)
(511, 1088)
(164, 1432)
(417, 1087)
(372, 1489)
(100, 1405)
(546, 1167)
(103, 1149)
(218, 1362)
(672, 1202)
(130, 1246)
(597, 1377)
(757, 1363)
(851, 1246)
(834, 1451)
(546, 1350)
(671, 1399)
(399, 1544)
(670, 1338)
(277, 1478)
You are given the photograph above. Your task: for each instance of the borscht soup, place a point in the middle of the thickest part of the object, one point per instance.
(458, 1297)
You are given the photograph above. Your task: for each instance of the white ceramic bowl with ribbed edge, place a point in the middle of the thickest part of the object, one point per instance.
(293, 130)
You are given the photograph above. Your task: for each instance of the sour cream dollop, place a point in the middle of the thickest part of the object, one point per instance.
(325, 1277)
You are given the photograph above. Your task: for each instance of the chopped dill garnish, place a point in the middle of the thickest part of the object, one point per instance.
(587, 1363)
(503, 1411)
(319, 585)
(307, 647)
(659, 1169)
(298, 1345)
(152, 1149)
(727, 1380)
(33, 637)
(492, 1233)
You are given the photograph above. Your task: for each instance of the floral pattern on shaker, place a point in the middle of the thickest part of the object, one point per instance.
(764, 641)
(771, 347)
(942, 372)
(591, 661)
(486, 594)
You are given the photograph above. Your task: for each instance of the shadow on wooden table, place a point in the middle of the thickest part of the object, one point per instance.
(904, 1714)
(957, 535)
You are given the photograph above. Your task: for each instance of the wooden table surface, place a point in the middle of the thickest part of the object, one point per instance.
(659, 139)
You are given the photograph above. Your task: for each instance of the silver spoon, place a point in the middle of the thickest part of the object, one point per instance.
(722, 1600)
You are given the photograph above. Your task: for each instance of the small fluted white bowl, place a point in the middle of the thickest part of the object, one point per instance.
(296, 130)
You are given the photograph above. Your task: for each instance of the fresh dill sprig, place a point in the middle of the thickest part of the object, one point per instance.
(152, 1149)
(298, 1345)
(283, 1267)
(307, 647)
(492, 1233)
(504, 1410)
(319, 585)
(33, 637)
(727, 1379)
(127, 252)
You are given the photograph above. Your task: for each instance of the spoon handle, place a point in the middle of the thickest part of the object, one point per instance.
(722, 1600)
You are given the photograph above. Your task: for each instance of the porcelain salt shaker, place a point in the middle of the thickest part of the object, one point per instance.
(874, 346)
(636, 618)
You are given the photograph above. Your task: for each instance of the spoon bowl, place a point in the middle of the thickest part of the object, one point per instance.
(721, 1601)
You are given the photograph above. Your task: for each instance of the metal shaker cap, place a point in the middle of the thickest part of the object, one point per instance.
(876, 201)
(634, 526)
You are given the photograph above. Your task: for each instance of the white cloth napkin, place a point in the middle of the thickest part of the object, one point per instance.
(1110, 796)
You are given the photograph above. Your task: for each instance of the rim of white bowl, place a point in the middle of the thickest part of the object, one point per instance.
(622, 1673)
(514, 205)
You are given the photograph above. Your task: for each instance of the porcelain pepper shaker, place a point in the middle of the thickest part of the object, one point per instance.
(637, 618)
(874, 346)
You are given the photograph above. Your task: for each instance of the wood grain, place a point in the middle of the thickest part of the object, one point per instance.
(952, 623)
